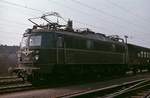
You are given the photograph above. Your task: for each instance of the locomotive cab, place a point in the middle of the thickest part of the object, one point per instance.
(37, 54)
(39, 48)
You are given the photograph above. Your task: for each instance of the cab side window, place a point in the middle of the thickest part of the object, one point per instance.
(89, 44)
(60, 42)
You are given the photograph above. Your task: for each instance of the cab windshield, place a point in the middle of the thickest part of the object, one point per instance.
(35, 40)
(45, 40)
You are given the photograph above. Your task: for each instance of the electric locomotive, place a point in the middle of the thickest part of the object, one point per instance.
(54, 50)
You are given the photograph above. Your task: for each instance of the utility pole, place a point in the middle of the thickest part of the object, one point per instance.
(126, 37)
(126, 53)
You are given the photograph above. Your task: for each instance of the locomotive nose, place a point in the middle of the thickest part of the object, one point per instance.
(29, 56)
(27, 52)
(26, 56)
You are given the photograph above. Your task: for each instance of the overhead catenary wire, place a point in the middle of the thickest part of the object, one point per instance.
(128, 11)
(41, 12)
(37, 10)
(70, 8)
(105, 13)
(85, 13)
(99, 27)
(22, 6)
(82, 12)
(13, 22)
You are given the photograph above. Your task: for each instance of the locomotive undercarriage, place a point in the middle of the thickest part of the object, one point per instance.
(62, 72)
(71, 72)
(26, 73)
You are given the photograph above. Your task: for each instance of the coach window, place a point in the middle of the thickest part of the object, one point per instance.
(147, 54)
(144, 54)
(89, 44)
(141, 54)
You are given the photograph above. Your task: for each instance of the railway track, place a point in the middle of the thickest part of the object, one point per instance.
(10, 80)
(133, 89)
(8, 77)
(141, 90)
(12, 84)
(116, 88)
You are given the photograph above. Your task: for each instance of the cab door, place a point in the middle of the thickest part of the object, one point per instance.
(60, 50)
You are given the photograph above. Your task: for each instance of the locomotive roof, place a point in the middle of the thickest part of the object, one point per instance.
(89, 35)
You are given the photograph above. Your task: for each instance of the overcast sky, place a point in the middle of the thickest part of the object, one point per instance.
(111, 17)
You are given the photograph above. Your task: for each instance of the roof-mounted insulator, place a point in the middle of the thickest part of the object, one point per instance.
(69, 26)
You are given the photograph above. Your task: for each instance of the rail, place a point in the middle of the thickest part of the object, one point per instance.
(104, 92)
(12, 84)
(131, 89)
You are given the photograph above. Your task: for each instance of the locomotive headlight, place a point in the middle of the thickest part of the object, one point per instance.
(36, 57)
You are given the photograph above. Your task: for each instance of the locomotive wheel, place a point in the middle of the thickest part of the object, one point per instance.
(25, 77)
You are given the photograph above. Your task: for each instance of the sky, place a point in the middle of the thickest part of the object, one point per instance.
(110, 17)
